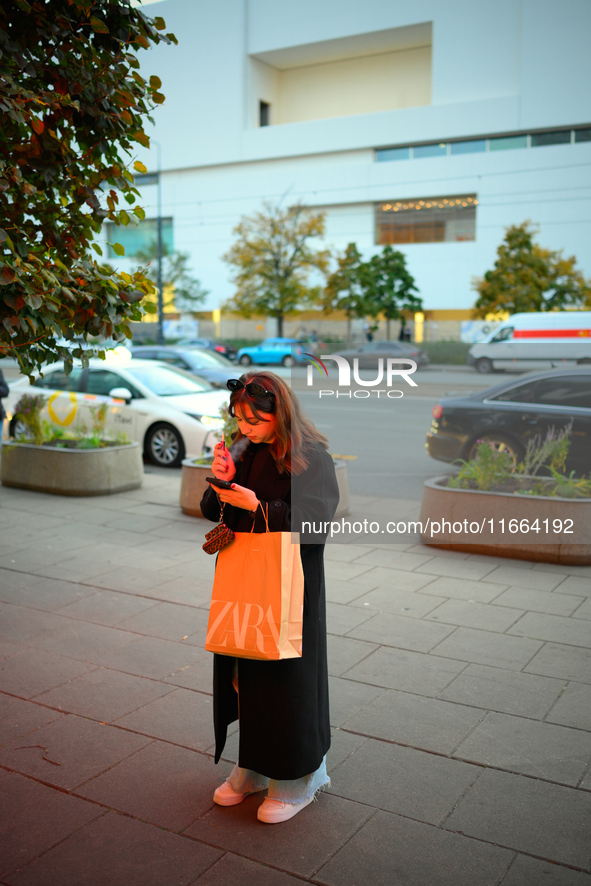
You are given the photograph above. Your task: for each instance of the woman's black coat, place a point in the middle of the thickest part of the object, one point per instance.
(284, 715)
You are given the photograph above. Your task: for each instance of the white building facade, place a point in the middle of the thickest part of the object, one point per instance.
(429, 125)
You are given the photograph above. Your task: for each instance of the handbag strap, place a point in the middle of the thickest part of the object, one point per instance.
(265, 515)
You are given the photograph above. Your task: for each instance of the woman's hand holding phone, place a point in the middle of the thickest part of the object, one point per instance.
(239, 496)
(223, 466)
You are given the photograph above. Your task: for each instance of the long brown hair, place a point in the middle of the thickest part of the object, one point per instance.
(294, 434)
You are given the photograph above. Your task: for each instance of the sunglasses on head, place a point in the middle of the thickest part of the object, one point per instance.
(252, 387)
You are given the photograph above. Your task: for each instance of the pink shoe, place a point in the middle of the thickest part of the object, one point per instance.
(273, 811)
(225, 795)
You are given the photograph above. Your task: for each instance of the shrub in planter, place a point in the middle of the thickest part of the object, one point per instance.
(41, 457)
(512, 511)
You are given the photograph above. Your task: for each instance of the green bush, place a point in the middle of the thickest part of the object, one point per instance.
(450, 352)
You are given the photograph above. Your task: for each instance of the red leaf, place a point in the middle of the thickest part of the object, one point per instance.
(37, 125)
(7, 276)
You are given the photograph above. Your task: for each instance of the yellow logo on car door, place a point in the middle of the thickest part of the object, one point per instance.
(58, 415)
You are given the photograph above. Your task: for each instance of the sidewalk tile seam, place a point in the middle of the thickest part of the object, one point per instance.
(469, 733)
(439, 827)
(580, 782)
(344, 842)
(434, 652)
(429, 617)
(567, 683)
(397, 646)
(173, 686)
(105, 809)
(60, 841)
(154, 600)
(453, 757)
(544, 641)
(176, 744)
(518, 852)
(461, 799)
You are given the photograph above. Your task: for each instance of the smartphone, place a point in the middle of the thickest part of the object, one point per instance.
(222, 484)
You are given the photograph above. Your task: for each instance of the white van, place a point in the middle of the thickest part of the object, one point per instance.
(536, 341)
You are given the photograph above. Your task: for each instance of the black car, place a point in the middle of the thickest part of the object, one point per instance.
(511, 414)
(220, 347)
(204, 364)
(369, 353)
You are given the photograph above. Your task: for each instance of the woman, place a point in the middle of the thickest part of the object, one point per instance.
(278, 461)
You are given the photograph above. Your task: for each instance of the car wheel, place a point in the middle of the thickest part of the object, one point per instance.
(19, 429)
(500, 443)
(288, 360)
(245, 360)
(164, 446)
(484, 365)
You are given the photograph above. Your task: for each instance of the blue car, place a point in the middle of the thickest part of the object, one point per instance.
(279, 351)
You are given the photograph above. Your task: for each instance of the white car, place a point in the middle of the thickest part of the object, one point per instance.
(170, 412)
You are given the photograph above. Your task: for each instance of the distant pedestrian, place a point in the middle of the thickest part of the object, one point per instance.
(368, 332)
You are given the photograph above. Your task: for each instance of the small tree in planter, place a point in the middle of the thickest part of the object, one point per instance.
(195, 470)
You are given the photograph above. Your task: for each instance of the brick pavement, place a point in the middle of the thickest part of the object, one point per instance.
(460, 704)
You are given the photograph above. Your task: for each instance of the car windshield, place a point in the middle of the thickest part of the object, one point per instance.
(167, 381)
(205, 359)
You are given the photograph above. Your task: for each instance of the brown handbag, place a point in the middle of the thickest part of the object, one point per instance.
(220, 536)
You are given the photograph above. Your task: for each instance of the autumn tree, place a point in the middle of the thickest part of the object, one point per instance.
(273, 258)
(389, 286)
(73, 103)
(345, 288)
(526, 277)
(187, 293)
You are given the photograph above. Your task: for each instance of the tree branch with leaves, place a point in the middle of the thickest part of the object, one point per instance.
(187, 293)
(73, 101)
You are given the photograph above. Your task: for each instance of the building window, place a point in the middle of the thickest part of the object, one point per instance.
(473, 146)
(393, 154)
(264, 114)
(550, 138)
(583, 135)
(480, 145)
(427, 220)
(508, 143)
(148, 178)
(439, 150)
(141, 238)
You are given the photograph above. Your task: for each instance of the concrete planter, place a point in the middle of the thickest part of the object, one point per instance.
(193, 486)
(72, 471)
(472, 508)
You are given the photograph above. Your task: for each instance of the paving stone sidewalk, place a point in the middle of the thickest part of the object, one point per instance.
(460, 706)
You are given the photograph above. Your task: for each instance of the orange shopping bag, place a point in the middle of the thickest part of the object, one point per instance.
(258, 598)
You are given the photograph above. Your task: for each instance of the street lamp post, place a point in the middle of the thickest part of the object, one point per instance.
(159, 229)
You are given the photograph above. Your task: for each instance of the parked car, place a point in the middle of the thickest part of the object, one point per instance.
(204, 364)
(509, 415)
(220, 347)
(369, 353)
(278, 351)
(535, 341)
(169, 411)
